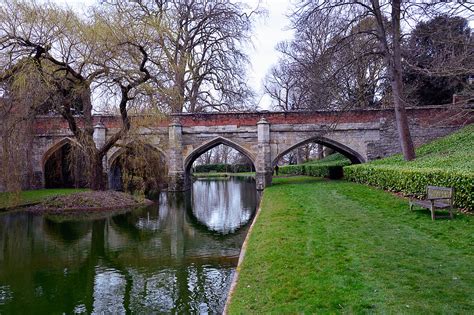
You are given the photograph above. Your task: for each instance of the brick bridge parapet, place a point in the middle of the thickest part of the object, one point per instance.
(262, 136)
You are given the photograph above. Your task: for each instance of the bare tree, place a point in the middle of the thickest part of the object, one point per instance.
(320, 72)
(202, 60)
(283, 85)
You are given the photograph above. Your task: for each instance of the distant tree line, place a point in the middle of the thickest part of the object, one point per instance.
(222, 157)
(224, 168)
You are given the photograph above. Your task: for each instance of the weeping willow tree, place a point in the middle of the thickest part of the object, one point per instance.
(140, 165)
(142, 169)
(106, 53)
(20, 102)
(129, 56)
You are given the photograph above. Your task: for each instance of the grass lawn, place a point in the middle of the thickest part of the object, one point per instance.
(453, 152)
(333, 159)
(339, 247)
(32, 196)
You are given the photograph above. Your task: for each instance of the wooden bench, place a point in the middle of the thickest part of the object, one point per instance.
(436, 198)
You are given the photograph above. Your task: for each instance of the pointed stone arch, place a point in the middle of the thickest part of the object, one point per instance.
(58, 172)
(352, 155)
(123, 148)
(189, 160)
(56, 146)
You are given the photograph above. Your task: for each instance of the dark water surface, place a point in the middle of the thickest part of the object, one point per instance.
(178, 256)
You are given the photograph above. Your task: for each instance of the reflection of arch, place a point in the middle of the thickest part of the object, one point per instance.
(235, 207)
(352, 155)
(67, 231)
(188, 162)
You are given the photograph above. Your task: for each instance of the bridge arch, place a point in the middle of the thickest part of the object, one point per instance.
(148, 170)
(113, 158)
(56, 146)
(352, 155)
(189, 160)
(61, 169)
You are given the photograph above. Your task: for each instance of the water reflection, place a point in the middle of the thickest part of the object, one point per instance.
(214, 203)
(158, 259)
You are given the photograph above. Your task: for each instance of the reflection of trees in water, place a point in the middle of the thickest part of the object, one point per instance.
(67, 232)
(223, 205)
(150, 260)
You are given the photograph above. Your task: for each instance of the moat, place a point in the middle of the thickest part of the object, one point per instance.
(176, 256)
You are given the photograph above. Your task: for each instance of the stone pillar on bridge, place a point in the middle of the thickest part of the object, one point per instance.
(176, 172)
(263, 163)
(100, 136)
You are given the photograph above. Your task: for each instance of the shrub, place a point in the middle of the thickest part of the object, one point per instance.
(221, 168)
(413, 181)
(329, 167)
(447, 161)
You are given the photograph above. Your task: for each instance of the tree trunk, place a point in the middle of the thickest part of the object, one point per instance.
(401, 119)
(299, 156)
(395, 67)
(327, 151)
(96, 176)
(320, 152)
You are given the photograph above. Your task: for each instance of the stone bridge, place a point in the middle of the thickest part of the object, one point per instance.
(263, 137)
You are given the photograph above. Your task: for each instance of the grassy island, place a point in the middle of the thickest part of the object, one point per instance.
(30, 197)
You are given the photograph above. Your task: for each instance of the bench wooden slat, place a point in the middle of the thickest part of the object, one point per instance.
(436, 198)
(427, 204)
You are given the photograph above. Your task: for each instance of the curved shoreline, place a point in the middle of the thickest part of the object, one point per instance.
(90, 201)
(85, 209)
(241, 259)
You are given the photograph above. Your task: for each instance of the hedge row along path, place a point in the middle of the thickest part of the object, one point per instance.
(448, 162)
(334, 246)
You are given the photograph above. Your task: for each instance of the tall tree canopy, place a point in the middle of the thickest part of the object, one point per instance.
(439, 56)
(200, 51)
(72, 56)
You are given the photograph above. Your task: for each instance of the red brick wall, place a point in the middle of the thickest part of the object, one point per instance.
(425, 116)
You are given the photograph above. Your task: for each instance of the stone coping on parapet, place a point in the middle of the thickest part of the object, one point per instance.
(322, 111)
(427, 107)
(425, 115)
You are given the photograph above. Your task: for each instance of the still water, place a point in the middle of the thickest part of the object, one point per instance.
(178, 256)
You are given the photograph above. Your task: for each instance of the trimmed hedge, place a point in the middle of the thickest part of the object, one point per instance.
(332, 169)
(221, 168)
(413, 181)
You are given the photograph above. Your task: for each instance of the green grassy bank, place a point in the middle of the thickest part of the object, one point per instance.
(447, 161)
(339, 247)
(27, 197)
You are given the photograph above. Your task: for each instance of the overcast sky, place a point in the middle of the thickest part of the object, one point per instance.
(269, 31)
